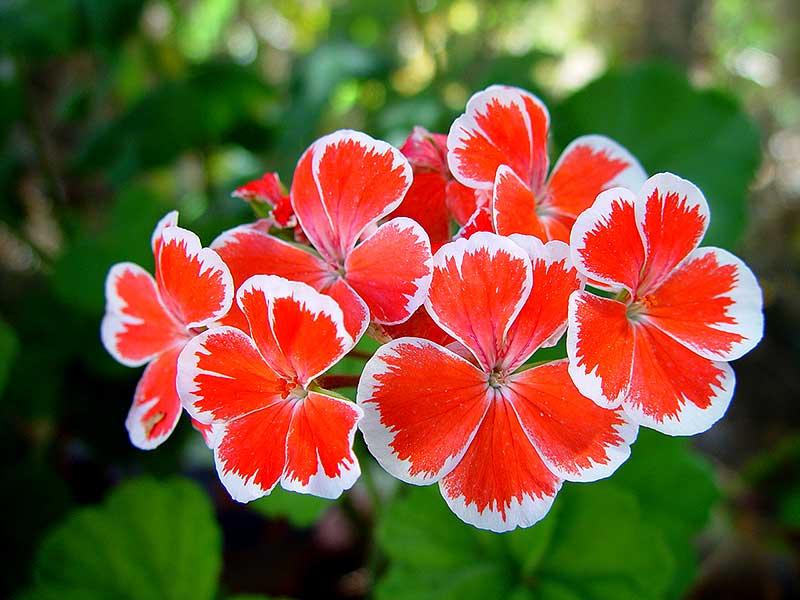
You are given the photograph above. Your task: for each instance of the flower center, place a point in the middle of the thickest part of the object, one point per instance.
(290, 388)
(638, 308)
(498, 379)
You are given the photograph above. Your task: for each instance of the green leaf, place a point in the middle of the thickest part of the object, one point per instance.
(148, 540)
(676, 490)
(9, 347)
(38, 28)
(594, 545)
(301, 510)
(703, 136)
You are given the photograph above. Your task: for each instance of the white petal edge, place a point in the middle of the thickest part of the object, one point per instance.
(523, 514)
(466, 123)
(209, 260)
(598, 213)
(422, 284)
(378, 436)
(493, 244)
(320, 484)
(168, 220)
(746, 310)
(273, 287)
(588, 383)
(691, 420)
(241, 489)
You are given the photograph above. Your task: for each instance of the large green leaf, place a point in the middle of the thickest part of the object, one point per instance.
(676, 489)
(38, 28)
(701, 135)
(148, 540)
(594, 545)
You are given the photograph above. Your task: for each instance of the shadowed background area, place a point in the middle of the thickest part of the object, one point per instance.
(113, 113)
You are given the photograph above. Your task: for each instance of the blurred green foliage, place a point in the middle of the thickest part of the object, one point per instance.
(113, 113)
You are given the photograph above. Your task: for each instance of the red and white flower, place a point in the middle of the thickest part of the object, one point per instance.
(150, 320)
(271, 422)
(343, 185)
(499, 439)
(500, 145)
(268, 191)
(660, 347)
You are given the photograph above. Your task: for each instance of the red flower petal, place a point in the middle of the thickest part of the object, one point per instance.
(168, 220)
(425, 204)
(501, 482)
(514, 206)
(266, 189)
(673, 216)
(359, 180)
(711, 304)
(543, 318)
(605, 240)
(462, 201)
(391, 270)
(136, 327)
(299, 332)
(589, 165)
(420, 325)
(194, 284)
(577, 439)
(426, 151)
(672, 389)
(479, 286)
(207, 430)
(222, 376)
(422, 405)
(248, 251)
(251, 452)
(600, 345)
(156, 406)
(319, 448)
(501, 126)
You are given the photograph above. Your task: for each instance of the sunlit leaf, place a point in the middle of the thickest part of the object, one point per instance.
(701, 135)
(147, 540)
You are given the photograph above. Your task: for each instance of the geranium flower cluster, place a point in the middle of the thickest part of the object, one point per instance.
(463, 257)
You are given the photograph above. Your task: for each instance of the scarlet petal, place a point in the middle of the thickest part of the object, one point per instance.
(420, 325)
(589, 165)
(600, 345)
(156, 406)
(425, 204)
(577, 439)
(501, 482)
(672, 389)
(543, 319)
(251, 452)
(248, 251)
(194, 283)
(391, 270)
(360, 180)
(711, 304)
(481, 220)
(299, 332)
(222, 376)
(605, 240)
(514, 206)
(136, 327)
(461, 201)
(319, 448)
(207, 430)
(495, 130)
(422, 405)
(168, 220)
(355, 310)
(426, 151)
(479, 286)
(673, 216)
